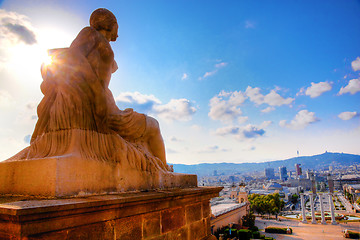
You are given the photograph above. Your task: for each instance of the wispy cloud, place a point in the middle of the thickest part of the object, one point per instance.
(176, 109)
(214, 71)
(268, 109)
(302, 119)
(356, 64)
(213, 149)
(352, 87)
(226, 106)
(249, 24)
(184, 76)
(6, 100)
(348, 115)
(175, 139)
(242, 133)
(317, 89)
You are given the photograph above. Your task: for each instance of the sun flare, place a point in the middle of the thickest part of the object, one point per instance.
(47, 60)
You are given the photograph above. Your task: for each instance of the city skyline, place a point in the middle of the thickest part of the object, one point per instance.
(245, 81)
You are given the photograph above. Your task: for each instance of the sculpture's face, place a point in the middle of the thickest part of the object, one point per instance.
(114, 32)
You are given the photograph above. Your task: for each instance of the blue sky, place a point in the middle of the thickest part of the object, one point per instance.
(229, 81)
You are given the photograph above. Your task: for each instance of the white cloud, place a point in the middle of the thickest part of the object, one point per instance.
(176, 109)
(140, 102)
(254, 95)
(348, 115)
(302, 119)
(215, 70)
(6, 100)
(241, 133)
(184, 76)
(265, 124)
(272, 98)
(225, 106)
(196, 127)
(317, 89)
(356, 64)
(242, 119)
(268, 109)
(15, 28)
(352, 87)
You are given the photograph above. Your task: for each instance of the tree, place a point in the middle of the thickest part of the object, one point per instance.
(248, 220)
(270, 204)
(294, 198)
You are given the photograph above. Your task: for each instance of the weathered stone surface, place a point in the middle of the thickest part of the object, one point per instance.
(129, 228)
(206, 209)
(71, 176)
(151, 225)
(178, 234)
(197, 230)
(193, 213)
(137, 214)
(172, 219)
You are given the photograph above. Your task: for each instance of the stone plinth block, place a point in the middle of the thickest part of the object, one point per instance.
(74, 176)
(167, 214)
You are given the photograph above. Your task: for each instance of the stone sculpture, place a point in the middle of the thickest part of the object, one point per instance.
(78, 104)
(78, 120)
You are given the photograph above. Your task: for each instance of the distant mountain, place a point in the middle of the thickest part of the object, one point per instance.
(316, 162)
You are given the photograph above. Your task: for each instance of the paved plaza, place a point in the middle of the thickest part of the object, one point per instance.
(307, 231)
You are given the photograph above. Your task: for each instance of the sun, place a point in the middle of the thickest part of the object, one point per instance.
(47, 60)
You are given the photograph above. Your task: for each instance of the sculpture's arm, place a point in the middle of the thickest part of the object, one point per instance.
(85, 43)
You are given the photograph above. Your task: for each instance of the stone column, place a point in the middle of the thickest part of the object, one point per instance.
(313, 219)
(331, 204)
(323, 221)
(303, 208)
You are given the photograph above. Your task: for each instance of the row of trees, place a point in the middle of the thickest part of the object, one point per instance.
(266, 204)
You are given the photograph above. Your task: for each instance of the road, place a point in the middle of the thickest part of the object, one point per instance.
(346, 203)
(307, 231)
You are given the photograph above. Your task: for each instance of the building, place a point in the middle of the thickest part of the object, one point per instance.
(346, 179)
(353, 189)
(305, 184)
(330, 183)
(274, 186)
(269, 173)
(298, 170)
(283, 173)
(223, 214)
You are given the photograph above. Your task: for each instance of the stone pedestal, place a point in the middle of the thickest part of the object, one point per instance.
(182, 214)
(71, 175)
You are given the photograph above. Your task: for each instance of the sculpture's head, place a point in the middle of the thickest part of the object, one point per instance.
(104, 20)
